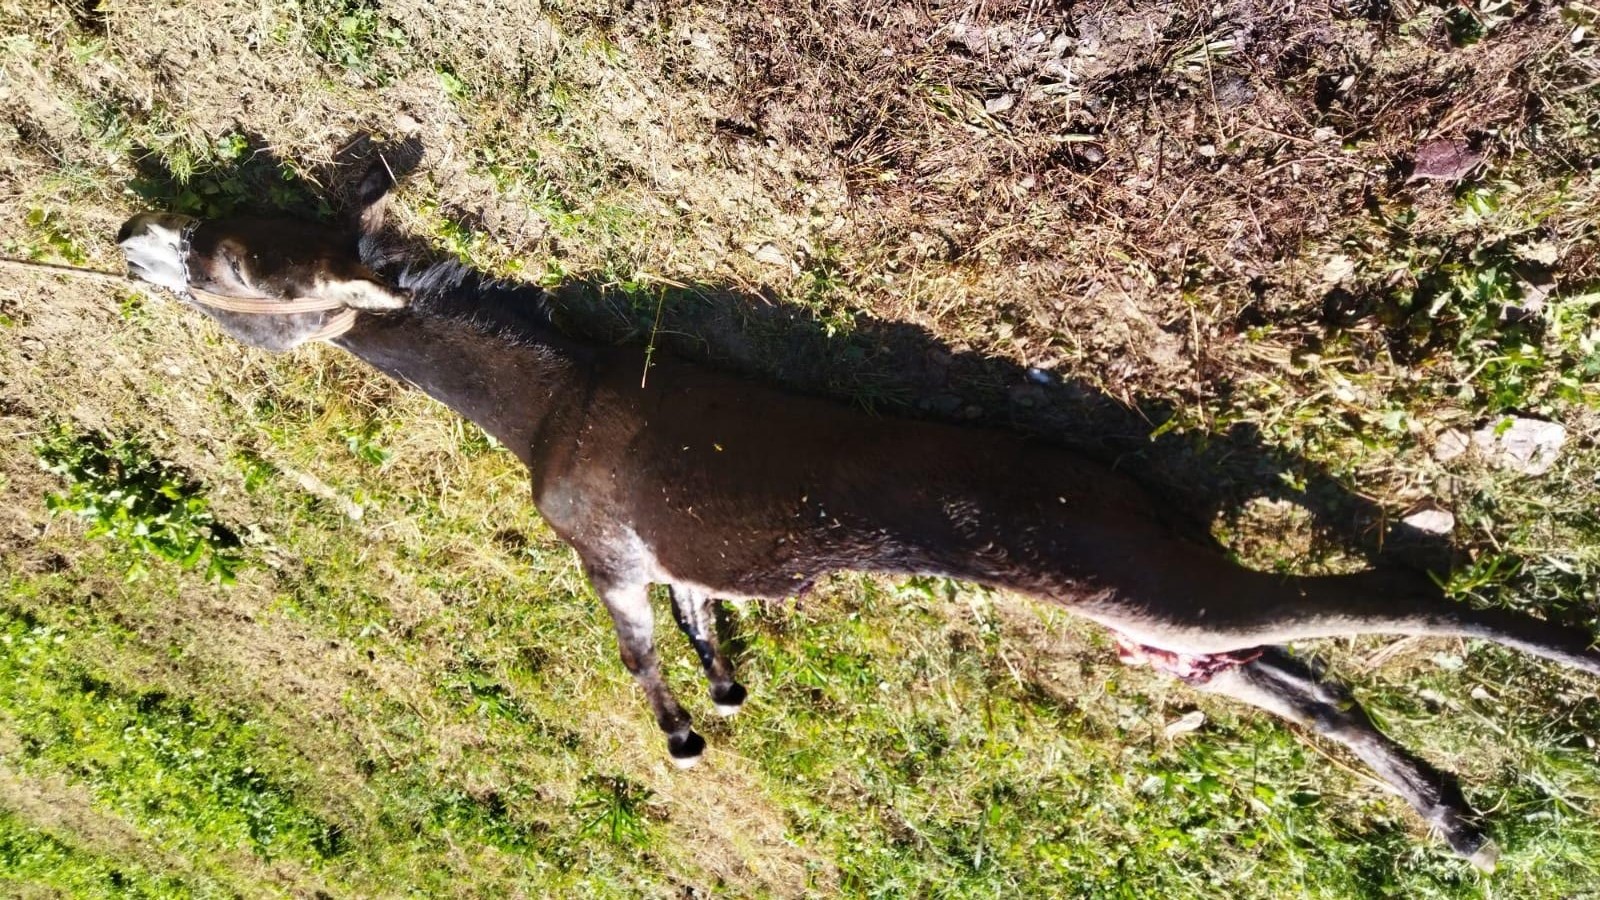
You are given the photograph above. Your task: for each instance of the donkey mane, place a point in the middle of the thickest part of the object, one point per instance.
(452, 291)
(448, 290)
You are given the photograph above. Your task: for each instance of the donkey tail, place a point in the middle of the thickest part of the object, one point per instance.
(1238, 609)
(1395, 602)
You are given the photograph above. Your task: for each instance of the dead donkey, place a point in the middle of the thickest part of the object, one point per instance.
(720, 487)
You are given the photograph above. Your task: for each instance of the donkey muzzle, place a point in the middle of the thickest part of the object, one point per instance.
(157, 248)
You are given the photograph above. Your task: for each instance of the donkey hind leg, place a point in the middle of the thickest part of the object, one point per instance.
(1286, 687)
(696, 613)
(628, 601)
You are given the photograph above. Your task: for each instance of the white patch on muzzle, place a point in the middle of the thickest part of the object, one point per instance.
(154, 248)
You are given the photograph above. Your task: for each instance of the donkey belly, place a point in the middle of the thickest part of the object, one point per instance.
(752, 492)
(967, 504)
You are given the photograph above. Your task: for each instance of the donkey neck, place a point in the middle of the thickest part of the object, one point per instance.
(506, 384)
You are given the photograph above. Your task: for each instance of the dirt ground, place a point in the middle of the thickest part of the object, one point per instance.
(1115, 194)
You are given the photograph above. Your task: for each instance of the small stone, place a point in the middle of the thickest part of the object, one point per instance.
(1528, 446)
(1431, 521)
(1543, 252)
(1444, 161)
(771, 255)
(1337, 269)
(1450, 445)
(1531, 305)
(1184, 724)
(976, 40)
(1435, 700)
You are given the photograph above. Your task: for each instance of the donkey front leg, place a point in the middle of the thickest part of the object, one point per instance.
(1286, 687)
(628, 601)
(696, 612)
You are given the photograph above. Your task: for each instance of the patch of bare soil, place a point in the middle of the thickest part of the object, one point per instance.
(1099, 165)
(1110, 191)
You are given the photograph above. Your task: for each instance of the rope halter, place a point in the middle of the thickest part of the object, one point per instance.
(332, 328)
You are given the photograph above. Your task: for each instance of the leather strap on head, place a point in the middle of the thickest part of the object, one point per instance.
(335, 326)
(263, 306)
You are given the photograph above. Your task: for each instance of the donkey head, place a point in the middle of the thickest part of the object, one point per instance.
(269, 283)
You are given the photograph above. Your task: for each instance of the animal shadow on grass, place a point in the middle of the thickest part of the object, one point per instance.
(241, 176)
(892, 368)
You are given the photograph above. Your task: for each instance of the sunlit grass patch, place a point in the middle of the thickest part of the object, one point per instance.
(32, 858)
(900, 740)
(190, 778)
(353, 34)
(139, 504)
(48, 238)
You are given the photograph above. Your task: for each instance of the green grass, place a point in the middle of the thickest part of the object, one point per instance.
(351, 34)
(37, 861)
(165, 763)
(143, 507)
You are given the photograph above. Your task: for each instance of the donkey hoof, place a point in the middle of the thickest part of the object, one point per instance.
(1487, 857)
(1474, 846)
(730, 700)
(687, 750)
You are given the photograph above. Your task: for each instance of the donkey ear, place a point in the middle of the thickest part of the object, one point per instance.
(389, 166)
(363, 293)
(372, 197)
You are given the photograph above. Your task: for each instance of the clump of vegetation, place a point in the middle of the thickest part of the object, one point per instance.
(223, 177)
(156, 757)
(615, 808)
(351, 34)
(32, 855)
(1519, 340)
(47, 238)
(141, 505)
